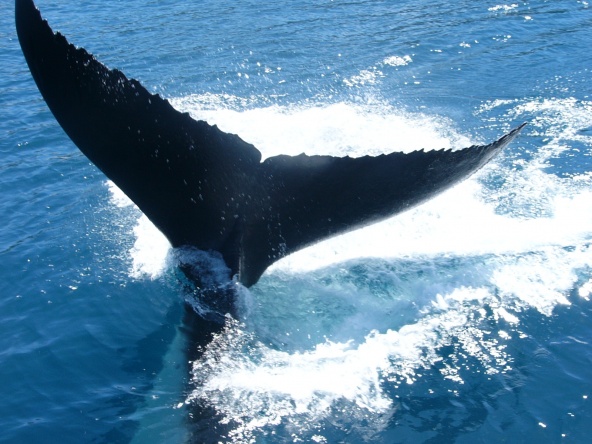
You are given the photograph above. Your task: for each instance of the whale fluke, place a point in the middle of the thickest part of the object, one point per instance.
(208, 189)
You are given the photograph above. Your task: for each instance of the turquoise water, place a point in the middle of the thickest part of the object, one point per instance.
(465, 320)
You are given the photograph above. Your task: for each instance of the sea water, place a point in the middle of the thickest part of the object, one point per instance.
(465, 320)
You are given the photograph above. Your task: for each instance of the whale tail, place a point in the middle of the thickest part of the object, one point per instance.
(208, 189)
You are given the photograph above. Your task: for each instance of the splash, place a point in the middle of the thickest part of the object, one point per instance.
(151, 249)
(337, 129)
(257, 386)
(495, 257)
(512, 239)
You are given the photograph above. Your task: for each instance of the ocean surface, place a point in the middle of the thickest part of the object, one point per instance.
(465, 320)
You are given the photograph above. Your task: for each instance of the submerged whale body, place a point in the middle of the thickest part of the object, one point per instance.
(208, 189)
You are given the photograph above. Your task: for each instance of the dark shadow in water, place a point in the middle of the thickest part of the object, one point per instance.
(142, 362)
(209, 296)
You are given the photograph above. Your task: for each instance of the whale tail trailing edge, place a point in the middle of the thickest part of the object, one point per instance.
(209, 189)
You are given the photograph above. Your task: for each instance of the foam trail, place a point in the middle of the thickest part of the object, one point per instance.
(256, 386)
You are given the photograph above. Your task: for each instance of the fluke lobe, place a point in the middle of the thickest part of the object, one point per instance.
(208, 189)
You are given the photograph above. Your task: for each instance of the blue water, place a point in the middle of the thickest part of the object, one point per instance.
(467, 320)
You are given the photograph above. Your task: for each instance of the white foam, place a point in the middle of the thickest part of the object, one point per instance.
(338, 129)
(150, 251)
(151, 248)
(118, 197)
(458, 222)
(397, 60)
(265, 387)
(542, 280)
(561, 122)
(364, 78)
(528, 238)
